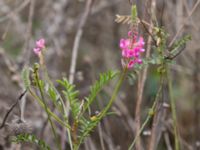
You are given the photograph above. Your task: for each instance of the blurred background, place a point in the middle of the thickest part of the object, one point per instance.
(90, 25)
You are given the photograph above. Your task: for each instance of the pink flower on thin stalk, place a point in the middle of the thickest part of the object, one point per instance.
(131, 49)
(40, 44)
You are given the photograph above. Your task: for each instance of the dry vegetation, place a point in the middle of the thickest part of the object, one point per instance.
(88, 28)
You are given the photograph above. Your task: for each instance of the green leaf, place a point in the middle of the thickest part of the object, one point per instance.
(87, 126)
(98, 86)
(25, 77)
(134, 13)
(178, 44)
(52, 94)
(21, 138)
(71, 94)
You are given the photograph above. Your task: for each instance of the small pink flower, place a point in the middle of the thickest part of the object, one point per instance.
(131, 53)
(140, 42)
(37, 50)
(131, 64)
(40, 43)
(125, 53)
(139, 61)
(130, 33)
(124, 43)
(142, 50)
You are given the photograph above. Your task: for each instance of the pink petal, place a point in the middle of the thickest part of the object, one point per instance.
(125, 53)
(131, 53)
(130, 33)
(139, 61)
(131, 64)
(40, 43)
(122, 43)
(142, 50)
(37, 51)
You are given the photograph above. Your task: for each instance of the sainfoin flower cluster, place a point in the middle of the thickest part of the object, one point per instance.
(131, 49)
(40, 44)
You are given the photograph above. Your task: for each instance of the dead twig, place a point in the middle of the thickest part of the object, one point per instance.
(182, 26)
(77, 40)
(141, 83)
(11, 108)
(15, 11)
(26, 52)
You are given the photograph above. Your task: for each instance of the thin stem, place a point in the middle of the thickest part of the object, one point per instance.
(183, 24)
(63, 104)
(115, 92)
(149, 115)
(11, 109)
(49, 111)
(48, 115)
(113, 97)
(173, 108)
(70, 139)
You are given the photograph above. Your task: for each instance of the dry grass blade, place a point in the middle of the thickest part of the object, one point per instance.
(123, 19)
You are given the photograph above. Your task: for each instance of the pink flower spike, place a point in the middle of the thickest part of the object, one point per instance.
(131, 64)
(40, 43)
(37, 51)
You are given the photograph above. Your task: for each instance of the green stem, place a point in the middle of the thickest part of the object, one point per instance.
(113, 97)
(115, 92)
(150, 114)
(49, 111)
(173, 108)
(46, 109)
(63, 104)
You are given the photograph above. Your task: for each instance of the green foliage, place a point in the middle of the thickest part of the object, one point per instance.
(161, 39)
(52, 94)
(71, 94)
(31, 139)
(131, 78)
(87, 127)
(98, 86)
(25, 77)
(178, 44)
(134, 13)
(56, 98)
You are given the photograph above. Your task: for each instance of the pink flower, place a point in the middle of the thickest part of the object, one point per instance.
(139, 61)
(37, 50)
(131, 64)
(40, 43)
(125, 53)
(131, 49)
(124, 43)
(140, 42)
(130, 33)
